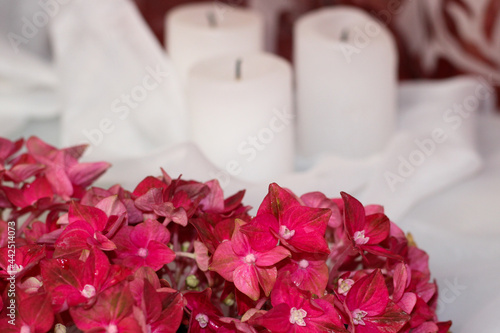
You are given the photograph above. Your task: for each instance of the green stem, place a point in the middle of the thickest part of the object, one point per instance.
(186, 255)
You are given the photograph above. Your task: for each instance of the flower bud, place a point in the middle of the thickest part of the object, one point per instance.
(229, 300)
(185, 246)
(192, 281)
(60, 328)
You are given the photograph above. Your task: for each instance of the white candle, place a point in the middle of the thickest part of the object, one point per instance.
(346, 66)
(202, 30)
(241, 114)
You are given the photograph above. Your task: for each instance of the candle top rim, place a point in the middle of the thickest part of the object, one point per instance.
(254, 67)
(338, 11)
(329, 23)
(194, 15)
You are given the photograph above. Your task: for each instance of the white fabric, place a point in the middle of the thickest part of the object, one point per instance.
(449, 200)
(459, 229)
(28, 84)
(422, 106)
(120, 90)
(419, 162)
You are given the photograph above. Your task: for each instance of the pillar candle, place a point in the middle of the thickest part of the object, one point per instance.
(346, 83)
(202, 30)
(241, 114)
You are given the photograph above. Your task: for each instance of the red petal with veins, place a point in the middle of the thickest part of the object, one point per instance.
(159, 255)
(111, 205)
(73, 240)
(147, 231)
(114, 306)
(377, 228)
(245, 279)
(93, 216)
(400, 279)
(319, 200)
(309, 226)
(313, 278)
(147, 184)
(225, 261)
(369, 294)
(102, 242)
(277, 201)
(149, 200)
(84, 174)
(259, 232)
(202, 257)
(171, 316)
(407, 302)
(21, 172)
(267, 278)
(273, 256)
(39, 147)
(390, 321)
(7, 148)
(214, 201)
(275, 320)
(36, 312)
(354, 214)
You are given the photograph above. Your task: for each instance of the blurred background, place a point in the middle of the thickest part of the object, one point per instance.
(98, 72)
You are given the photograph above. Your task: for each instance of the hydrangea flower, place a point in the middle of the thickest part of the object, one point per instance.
(238, 262)
(177, 253)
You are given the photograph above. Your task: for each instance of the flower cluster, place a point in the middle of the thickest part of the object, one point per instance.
(174, 253)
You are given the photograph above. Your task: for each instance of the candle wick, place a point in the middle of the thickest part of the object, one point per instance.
(344, 35)
(238, 69)
(212, 20)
